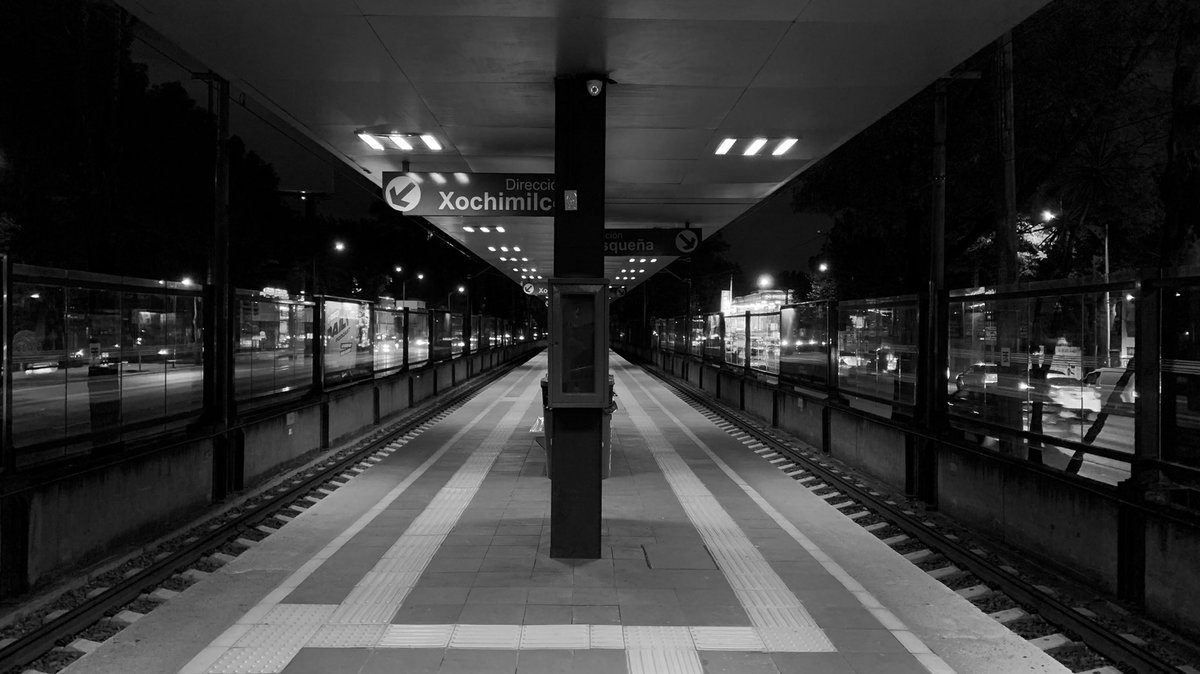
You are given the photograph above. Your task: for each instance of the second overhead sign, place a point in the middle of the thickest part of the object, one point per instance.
(662, 241)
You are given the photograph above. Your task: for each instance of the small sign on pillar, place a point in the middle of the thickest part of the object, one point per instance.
(571, 200)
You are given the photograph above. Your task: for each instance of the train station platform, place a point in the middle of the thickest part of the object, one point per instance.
(436, 559)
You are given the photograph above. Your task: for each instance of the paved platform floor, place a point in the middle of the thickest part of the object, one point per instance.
(436, 559)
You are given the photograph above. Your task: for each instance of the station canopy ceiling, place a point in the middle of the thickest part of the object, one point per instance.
(478, 76)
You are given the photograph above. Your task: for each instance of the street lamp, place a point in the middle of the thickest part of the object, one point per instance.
(451, 293)
(823, 267)
(765, 281)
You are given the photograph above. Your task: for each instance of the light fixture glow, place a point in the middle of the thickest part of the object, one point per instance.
(517, 248)
(370, 141)
(515, 269)
(824, 266)
(765, 281)
(339, 245)
(643, 260)
(400, 142)
(420, 277)
(438, 178)
(504, 248)
(654, 259)
(468, 228)
(431, 142)
(186, 280)
(462, 178)
(503, 259)
(416, 177)
(399, 269)
(631, 260)
(485, 230)
(500, 229)
(783, 146)
(492, 248)
(1048, 215)
(725, 145)
(755, 145)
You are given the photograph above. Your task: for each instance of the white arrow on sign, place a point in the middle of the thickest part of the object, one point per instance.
(402, 193)
(529, 288)
(686, 241)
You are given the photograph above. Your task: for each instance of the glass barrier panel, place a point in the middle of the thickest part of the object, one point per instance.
(696, 334)
(347, 341)
(1048, 365)
(94, 399)
(804, 341)
(418, 336)
(735, 339)
(764, 342)
(456, 334)
(184, 357)
(1180, 372)
(441, 335)
(877, 350)
(388, 348)
(714, 347)
(41, 364)
(274, 350)
(476, 325)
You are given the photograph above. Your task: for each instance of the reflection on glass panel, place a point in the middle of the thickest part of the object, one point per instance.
(182, 354)
(418, 336)
(696, 336)
(274, 347)
(804, 341)
(388, 349)
(456, 334)
(877, 349)
(764, 342)
(1180, 375)
(1058, 365)
(347, 340)
(40, 363)
(735, 340)
(94, 400)
(714, 348)
(440, 339)
(476, 326)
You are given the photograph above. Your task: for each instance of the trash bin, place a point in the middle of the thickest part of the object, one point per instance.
(605, 427)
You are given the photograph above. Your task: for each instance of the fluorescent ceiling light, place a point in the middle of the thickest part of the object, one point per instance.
(438, 178)
(783, 146)
(517, 248)
(492, 248)
(755, 146)
(503, 259)
(485, 230)
(400, 142)
(500, 229)
(416, 177)
(654, 259)
(725, 145)
(370, 140)
(504, 248)
(468, 228)
(462, 178)
(431, 142)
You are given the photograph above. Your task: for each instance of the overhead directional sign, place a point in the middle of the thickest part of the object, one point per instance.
(467, 194)
(535, 288)
(662, 241)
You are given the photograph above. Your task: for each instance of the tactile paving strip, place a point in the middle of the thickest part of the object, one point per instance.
(740, 561)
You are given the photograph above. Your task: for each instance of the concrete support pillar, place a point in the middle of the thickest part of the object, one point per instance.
(576, 434)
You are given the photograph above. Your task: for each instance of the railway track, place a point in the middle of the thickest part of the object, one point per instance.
(1088, 634)
(50, 639)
